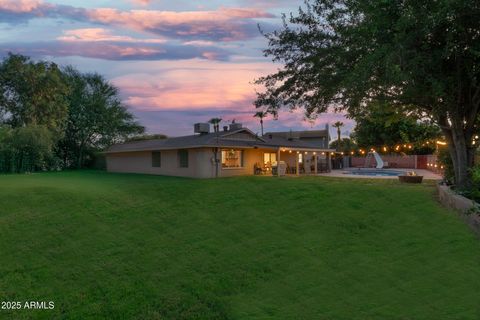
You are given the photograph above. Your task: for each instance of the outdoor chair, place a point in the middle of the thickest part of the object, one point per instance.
(257, 169)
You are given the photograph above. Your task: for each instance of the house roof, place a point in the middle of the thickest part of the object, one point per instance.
(300, 134)
(224, 139)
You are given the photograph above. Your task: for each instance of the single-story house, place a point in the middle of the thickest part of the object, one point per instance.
(234, 151)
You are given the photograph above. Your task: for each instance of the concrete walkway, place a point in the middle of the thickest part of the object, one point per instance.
(427, 175)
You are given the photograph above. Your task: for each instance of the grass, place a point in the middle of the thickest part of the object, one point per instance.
(132, 246)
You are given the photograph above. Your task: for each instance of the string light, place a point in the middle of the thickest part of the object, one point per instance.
(398, 148)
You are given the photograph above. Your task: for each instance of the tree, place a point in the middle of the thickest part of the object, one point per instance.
(216, 123)
(383, 125)
(420, 56)
(25, 149)
(143, 137)
(261, 115)
(346, 145)
(96, 118)
(339, 126)
(32, 93)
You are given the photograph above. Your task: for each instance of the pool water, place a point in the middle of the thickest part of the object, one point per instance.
(374, 172)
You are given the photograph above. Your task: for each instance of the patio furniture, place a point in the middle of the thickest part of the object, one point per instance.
(258, 169)
(301, 168)
(290, 170)
(279, 169)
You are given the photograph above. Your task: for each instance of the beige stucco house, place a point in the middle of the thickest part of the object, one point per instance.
(234, 151)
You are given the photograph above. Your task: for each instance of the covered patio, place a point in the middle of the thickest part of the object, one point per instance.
(279, 161)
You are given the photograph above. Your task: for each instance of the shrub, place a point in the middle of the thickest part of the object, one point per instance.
(446, 161)
(25, 149)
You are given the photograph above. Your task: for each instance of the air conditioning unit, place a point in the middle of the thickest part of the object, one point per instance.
(235, 126)
(201, 128)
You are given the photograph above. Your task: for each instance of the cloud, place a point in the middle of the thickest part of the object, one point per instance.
(140, 2)
(119, 51)
(223, 24)
(21, 6)
(171, 97)
(101, 34)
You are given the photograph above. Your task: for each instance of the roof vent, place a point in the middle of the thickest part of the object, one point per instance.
(201, 128)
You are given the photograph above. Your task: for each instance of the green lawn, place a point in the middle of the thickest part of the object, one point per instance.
(132, 246)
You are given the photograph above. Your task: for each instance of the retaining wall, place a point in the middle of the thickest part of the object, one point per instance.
(466, 208)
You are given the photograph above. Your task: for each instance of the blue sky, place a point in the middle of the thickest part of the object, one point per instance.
(175, 62)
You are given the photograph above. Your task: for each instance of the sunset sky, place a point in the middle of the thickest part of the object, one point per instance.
(175, 62)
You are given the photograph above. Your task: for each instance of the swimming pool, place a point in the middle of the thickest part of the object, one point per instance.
(374, 172)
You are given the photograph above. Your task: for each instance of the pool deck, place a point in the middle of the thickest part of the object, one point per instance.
(427, 175)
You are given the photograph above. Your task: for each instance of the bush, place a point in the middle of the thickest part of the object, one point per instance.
(25, 149)
(446, 161)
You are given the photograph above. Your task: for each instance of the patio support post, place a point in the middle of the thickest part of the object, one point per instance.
(278, 162)
(329, 162)
(297, 163)
(316, 163)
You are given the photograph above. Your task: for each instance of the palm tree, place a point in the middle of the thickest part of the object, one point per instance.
(261, 115)
(216, 123)
(338, 125)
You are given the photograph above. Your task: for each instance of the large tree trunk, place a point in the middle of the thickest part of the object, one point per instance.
(461, 154)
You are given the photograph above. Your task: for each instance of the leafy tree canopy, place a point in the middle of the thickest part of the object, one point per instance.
(96, 117)
(49, 114)
(346, 145)
(143, 137)
(32, 93)
(382, 125)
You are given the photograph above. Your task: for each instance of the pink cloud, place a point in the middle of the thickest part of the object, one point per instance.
(101, 34)
(223, 24)
(20, 6)
(192, 85)
(193, 91)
